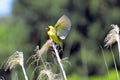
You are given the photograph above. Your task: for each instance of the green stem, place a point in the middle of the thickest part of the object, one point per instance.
(115, 65)
(105, 61)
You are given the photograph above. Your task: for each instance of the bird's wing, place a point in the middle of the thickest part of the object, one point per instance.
(63, 27)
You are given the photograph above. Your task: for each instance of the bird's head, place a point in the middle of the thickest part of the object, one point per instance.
(50, 28)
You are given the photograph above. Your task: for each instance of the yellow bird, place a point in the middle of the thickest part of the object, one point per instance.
(60, 31)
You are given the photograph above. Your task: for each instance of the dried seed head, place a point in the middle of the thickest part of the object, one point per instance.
(15, 59)
(39, 52)
(47, 74)
(111, 37)
(115, 28)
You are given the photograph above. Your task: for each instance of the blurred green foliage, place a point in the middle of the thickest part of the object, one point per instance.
(90, 23)
(112, 76)
(14, 35)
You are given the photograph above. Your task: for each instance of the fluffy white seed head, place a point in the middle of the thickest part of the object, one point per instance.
(112, 36)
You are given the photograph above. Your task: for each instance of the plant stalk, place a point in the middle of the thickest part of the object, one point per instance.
(25, 75)
(106, 65)
(118, 42)
(59, 61)
(115, 65)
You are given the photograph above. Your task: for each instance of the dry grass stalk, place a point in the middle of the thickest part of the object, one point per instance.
(14, 60)
(112, 37)
(39, 52)
(59, 61)
(47, 74)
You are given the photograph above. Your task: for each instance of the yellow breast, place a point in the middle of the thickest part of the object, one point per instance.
(52, 34)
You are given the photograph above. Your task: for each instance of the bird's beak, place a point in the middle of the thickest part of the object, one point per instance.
(46, 29)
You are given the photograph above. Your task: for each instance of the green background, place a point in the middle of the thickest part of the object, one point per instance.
(91, 20)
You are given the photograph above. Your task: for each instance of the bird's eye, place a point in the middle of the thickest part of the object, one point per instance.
(48, 29)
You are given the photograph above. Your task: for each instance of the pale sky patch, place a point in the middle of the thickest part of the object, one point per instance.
(5, 7)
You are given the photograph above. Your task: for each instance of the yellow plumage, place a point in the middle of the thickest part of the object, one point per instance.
(60, 31)
(52, 33)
